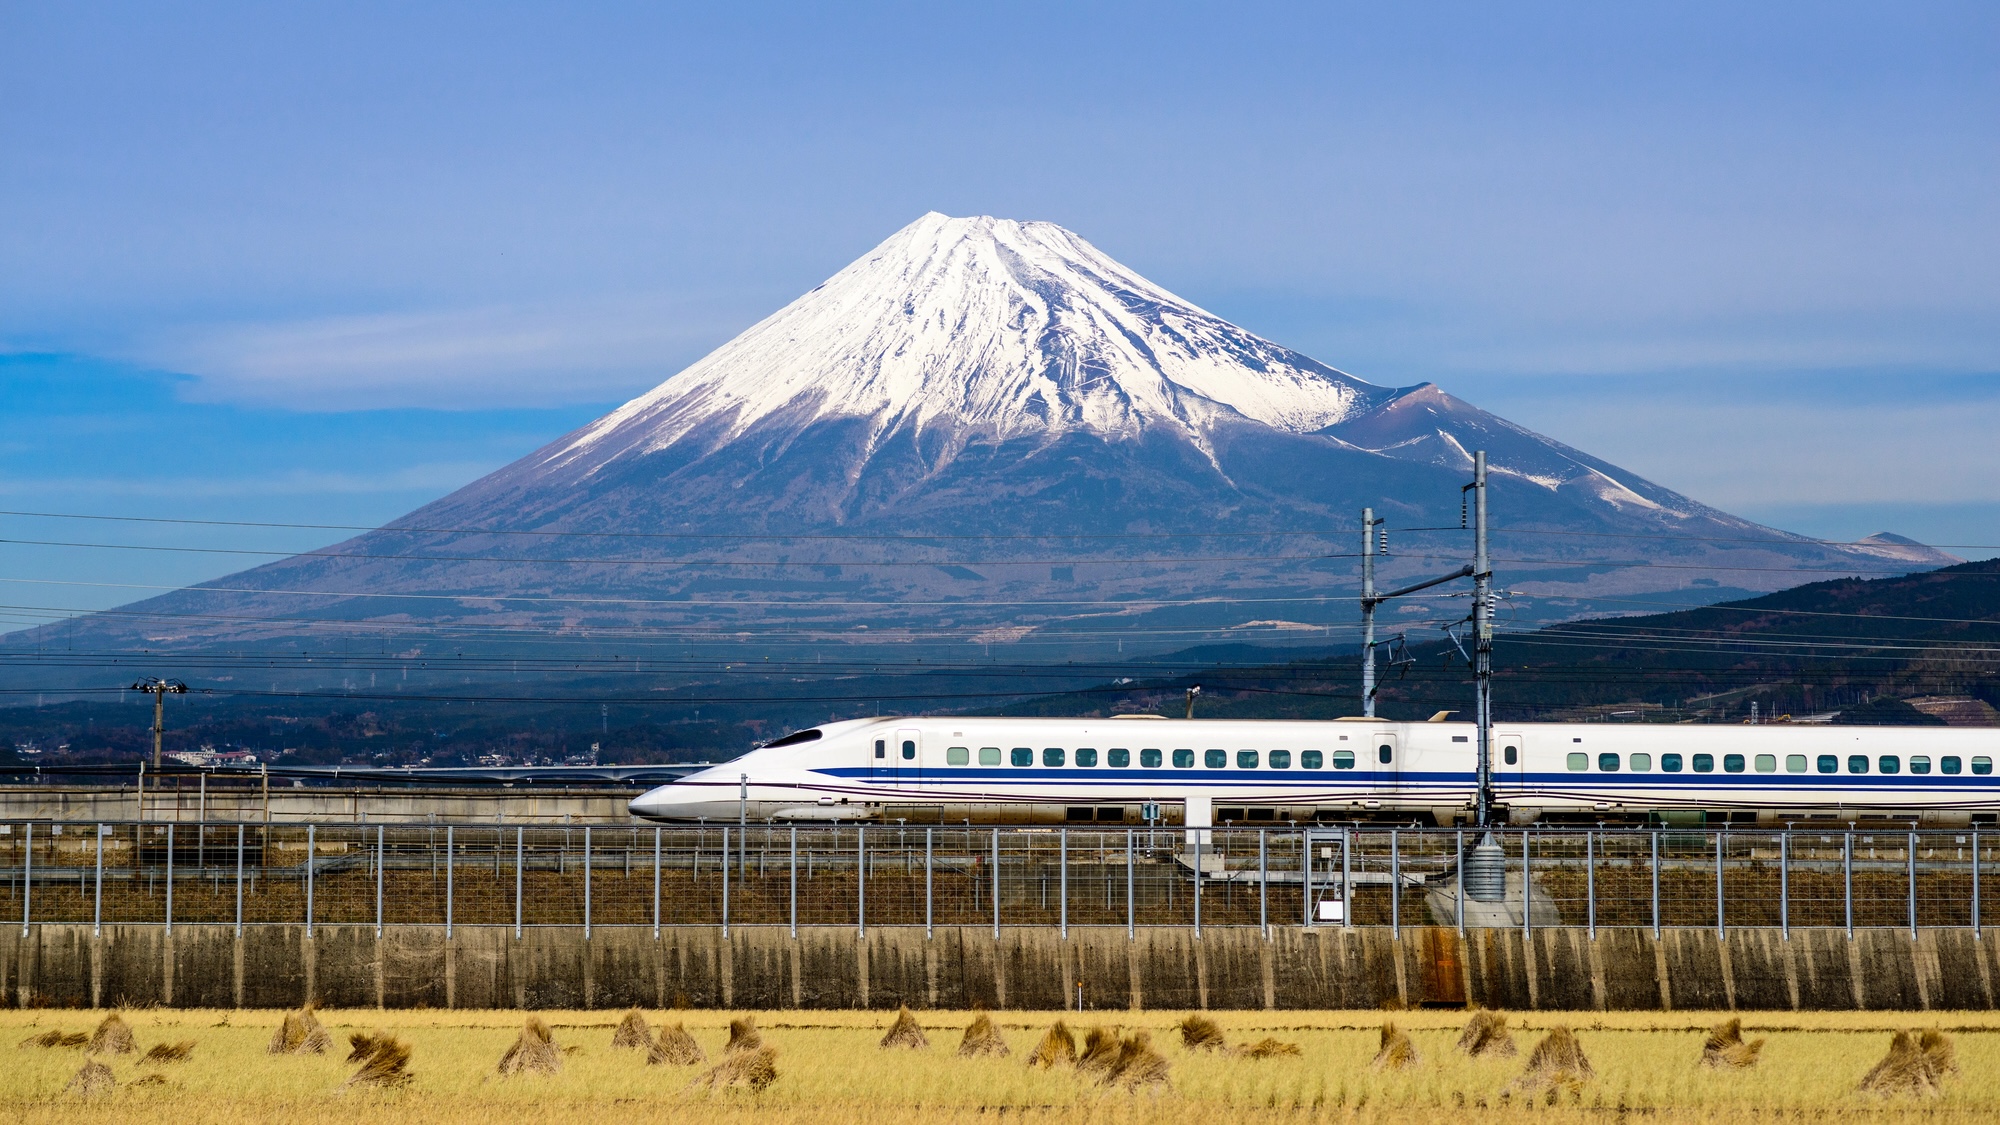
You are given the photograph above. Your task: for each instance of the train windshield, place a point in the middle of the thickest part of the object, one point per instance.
(793, 739)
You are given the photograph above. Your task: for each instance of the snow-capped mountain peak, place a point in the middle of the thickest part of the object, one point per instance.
(1003, 328)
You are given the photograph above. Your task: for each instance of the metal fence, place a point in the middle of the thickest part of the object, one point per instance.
(881, 875)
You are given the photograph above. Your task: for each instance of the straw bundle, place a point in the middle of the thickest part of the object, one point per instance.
(1486, 1036)
(1199, 1033)
(743, 1035)
(94, 1080)
(753, 1068)
(1100, 1050)
(1138, 1066)
(1726, 1050)
(1397, 1052)
(1057, 1048)
(55, 1038)
(905, 1034)
(534, 1051)
(163, 1053)
(982, 1039)
(387, 1064)
(112, 1037)
(674, 1047)
(1268, 1048)
(632, 1033)
(1557, 1065)
(300, 1034)
(1916, 1065)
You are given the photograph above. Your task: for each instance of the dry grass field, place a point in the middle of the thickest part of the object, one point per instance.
(832, 1069)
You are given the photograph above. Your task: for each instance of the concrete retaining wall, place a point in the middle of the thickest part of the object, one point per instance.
(487, 967)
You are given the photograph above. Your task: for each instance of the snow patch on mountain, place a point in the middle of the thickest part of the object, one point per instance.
(989, 326)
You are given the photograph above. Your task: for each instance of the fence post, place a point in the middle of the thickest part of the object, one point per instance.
(28, 876)
(1721, 851)
(656, 882)
(1395, 888)
(1263, 884)
(170, 873)
(1590, 882)
(1306, 875)
(1656, 884)
(97, 888)
(1976, 935)
(586, 877)
(1131, 906)
(1785, 885)
(309, 883)
(795, 880)
(927, 883)
(1527, 892)
(381, 855)
(725, 882)
(1347, 879)
(1911, 854)
(1847, 878)
(239, 880)
(450, 884)
(1458, 895)
(1197, 883)
(860, 879)
(1062, 882)
(520, 855)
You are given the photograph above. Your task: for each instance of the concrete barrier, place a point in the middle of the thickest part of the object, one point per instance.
(835, 967)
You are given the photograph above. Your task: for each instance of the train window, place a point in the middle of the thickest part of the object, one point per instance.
(1281, 759)
(1670, 763)
(1343, 759)
(1309, 759)
(1183, 759)
(1385, 753)
(1732, 763)
(1607, 763)
(1246, 759)
(1024, 755)
(881, 747)
(909, 750)
(1579, 761)
(1920, 764)
(1704, 763)
(1828, 763)
(1118, 760)
(957, 756)
(1949, 764)
(1889, 763)
(1052, 756)
(1215, 759)
(1857, 763)
(1150, 759)
(1795, 763)
(1641, 762)
(1511, 755)
(1767, 763)
(1982, 765)
(1085, 756)
(989, 755)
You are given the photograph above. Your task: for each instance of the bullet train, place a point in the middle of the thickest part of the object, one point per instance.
(1202, 773)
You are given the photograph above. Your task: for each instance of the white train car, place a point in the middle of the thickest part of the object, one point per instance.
(1205, 772)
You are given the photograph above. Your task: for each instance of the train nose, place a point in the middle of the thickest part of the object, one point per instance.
(681, 802)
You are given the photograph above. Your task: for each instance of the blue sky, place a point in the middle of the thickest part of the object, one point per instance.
(325, 262)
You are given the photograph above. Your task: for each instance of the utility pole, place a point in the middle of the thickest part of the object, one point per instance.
(1368, 525)
(160, 689)
(1482, 637)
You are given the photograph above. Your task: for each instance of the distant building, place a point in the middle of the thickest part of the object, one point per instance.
(1957, 711)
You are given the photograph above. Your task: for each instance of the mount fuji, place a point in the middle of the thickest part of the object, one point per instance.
(990, 431)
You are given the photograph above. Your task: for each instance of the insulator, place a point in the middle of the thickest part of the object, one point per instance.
(1384, 534)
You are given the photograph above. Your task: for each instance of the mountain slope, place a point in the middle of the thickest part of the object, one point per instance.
(990, 431)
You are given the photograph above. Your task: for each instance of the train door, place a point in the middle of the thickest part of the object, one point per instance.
(908, 756)
(881, 759)
(1510, 762)
(1388, 759)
